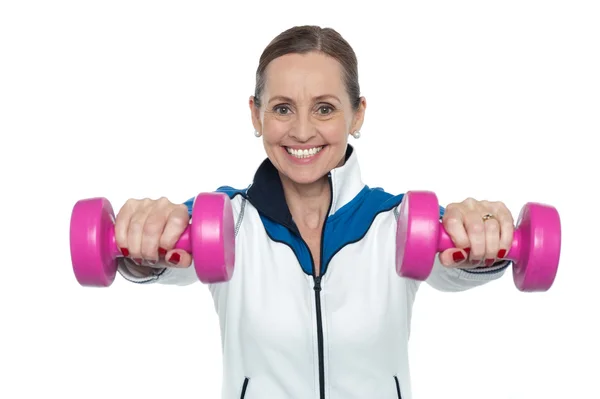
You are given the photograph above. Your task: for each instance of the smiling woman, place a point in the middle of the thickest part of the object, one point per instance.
(315, 308)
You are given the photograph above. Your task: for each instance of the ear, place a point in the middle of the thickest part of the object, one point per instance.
(359, 115)
(255, 114)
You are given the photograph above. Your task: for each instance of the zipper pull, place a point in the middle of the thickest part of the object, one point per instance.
(318, 283)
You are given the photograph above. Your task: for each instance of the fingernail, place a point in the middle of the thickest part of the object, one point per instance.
(489, 262)
(125, 252)
(137, 261)
(162, 251)
(467, 250)
(458, 256)
(151, 262)
(502, 253)
(475, 262)
(175, 258)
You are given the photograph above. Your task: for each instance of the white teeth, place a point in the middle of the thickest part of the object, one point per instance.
(304, 153)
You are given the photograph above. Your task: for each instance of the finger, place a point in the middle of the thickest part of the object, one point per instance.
(153, 230)
(178, 258)
(178, 220)
(507, 229)
(454, 224)
(476, 233)
(122, 226)
(135, 230)
(453, 257)
(492, 241)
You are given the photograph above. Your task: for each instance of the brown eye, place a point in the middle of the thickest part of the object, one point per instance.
(281, 109)
(325, 110)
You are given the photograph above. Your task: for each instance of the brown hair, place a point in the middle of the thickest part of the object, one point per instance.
(307, 38)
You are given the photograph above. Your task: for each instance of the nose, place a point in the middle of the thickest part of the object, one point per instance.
(303, 129)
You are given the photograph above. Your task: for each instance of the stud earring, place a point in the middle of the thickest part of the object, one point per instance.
(257, 133)
(356, 134)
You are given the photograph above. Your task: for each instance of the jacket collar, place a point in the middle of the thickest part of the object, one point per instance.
(266, 191)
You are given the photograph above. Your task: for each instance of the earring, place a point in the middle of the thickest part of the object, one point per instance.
(356, 134)
(257, 133)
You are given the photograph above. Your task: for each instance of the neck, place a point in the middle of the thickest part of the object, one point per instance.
(308, 203)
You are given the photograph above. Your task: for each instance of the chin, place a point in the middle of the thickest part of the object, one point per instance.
(305, 178)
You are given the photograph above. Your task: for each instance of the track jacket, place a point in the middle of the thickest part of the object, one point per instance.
(344, 335)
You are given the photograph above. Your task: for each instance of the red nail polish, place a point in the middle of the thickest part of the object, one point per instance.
(125, 252)
(138, 261)
(467, 250)
(475, 262)
(502, 253)
(162, 251)
(458, 256)
(489, 262)
(175, 258)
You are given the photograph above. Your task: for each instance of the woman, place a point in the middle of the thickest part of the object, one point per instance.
(315, 308)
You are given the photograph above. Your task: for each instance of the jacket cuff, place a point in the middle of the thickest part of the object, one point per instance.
(129, 273)
(485, 273)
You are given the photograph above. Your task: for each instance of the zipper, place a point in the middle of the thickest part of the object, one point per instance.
(244, 387)
(320, 336)
(317, 288)
(317, 280)
(398, 387)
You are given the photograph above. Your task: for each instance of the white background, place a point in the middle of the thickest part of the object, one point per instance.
(495, 100)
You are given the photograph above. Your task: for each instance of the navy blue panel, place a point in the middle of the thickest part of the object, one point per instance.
(282, 234)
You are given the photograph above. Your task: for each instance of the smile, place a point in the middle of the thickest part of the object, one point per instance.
(303, 153)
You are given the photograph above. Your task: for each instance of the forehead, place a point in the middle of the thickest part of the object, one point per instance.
(304, 74)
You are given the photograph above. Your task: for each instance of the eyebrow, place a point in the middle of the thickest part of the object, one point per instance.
(316, 99)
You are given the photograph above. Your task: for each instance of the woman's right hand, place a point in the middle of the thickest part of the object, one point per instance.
(146, 231)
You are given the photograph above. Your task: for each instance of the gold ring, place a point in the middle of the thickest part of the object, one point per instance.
(487, 217)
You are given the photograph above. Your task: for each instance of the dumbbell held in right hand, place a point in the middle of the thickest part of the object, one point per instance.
(210, 238)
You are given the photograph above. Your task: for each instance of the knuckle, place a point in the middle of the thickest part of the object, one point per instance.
(492, 227)
(179, 221)
(476, 228)
(131, 203)
(136, 225)
(153, 227)
(452, 221)
(470, 201)
(452, 206)
(163, 201)
(146, 202)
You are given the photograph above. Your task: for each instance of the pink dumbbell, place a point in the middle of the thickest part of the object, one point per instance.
(210, 238)
(535, 249)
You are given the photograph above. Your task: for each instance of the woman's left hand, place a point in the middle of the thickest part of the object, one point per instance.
(482, 232)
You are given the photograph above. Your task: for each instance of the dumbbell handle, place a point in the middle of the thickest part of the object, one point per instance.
(445, 242)
(184, 242)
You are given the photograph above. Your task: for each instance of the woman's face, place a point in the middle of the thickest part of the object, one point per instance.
(306, 115)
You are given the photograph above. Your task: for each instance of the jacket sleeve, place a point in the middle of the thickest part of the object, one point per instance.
(459, 279)
(455, 279)
(170, 275)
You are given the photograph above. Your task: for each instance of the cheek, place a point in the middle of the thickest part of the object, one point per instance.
(274, 130)
(334, 130)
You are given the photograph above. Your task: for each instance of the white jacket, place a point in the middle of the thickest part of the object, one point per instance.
(288, 335)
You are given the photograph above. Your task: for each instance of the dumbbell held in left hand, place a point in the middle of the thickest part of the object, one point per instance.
(210, 238)
(535, 250)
